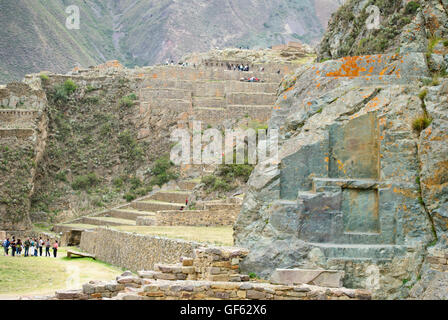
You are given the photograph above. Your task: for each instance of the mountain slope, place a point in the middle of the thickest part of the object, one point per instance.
(33, 36)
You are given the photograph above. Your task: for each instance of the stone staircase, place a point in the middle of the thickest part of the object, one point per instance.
(164, 207)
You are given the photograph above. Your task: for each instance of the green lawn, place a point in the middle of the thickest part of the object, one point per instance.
(42, 276)
(214, 235)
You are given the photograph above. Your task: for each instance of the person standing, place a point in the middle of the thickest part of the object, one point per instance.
(47, 248)
(19, 248)
(55, 248)
(27, 245)
(13, 247)
(41, 244)
(6, 246)
(31, 247)
(36, 246)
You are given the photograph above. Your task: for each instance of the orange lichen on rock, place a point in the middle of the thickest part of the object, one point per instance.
(349, 68)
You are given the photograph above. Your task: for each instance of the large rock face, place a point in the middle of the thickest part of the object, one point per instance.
(357, 188)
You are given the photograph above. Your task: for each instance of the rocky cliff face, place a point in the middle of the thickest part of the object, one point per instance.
(404, 25)
(361, 184)
(34, 37)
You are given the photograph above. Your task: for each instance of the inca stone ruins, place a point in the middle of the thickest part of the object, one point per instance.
(355, 208)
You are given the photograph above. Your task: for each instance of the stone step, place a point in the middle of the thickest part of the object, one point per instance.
(178, 105)
(128, 214)
(206, 102)
(106, 221)
(171, 196)
(221, 206)
(371, 252)
(165, 93)
(323, 278)
(153, 205)
(258, 112)
(188, 184)
(243, 98)
(20, 133)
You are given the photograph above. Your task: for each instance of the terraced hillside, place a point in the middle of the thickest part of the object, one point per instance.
(34, 37)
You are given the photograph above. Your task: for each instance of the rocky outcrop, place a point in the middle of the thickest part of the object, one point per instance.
(346, 194)
(360, 187)
(404, 25)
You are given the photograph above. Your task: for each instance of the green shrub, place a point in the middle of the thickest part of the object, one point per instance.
(422, 95)
(421, 123)
(435, 80)
(44, 77)
(209, 181)
(61, 176)
(92, 100)
(62, 92)
(70, 86)
(118, 182)
(221, 185)
(129, 197)
(85, 182)
(431, 45)
(232, 171)
(128, 101)
(412, 7)
(162, 171)
(252, 275)
(129, 145)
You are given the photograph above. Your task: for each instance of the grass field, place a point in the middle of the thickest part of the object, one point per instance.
(214, 235)
(41, 276)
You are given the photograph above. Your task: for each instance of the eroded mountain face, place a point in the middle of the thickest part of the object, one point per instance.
(361, 184)
(34, 36)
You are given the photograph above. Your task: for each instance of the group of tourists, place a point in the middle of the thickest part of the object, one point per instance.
(31, 247)
(238, 67)
(251, 79)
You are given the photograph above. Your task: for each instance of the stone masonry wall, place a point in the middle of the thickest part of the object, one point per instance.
(211, 274)
(201, 218)
(133, 251)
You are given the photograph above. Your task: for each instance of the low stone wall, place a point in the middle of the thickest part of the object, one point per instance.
(200, 218)
(134, 251)
(211, 274)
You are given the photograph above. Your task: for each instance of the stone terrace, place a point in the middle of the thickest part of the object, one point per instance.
(207, 94)
(162, 208)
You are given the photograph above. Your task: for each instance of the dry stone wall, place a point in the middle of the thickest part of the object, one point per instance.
(133, 251)
(203, 218)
